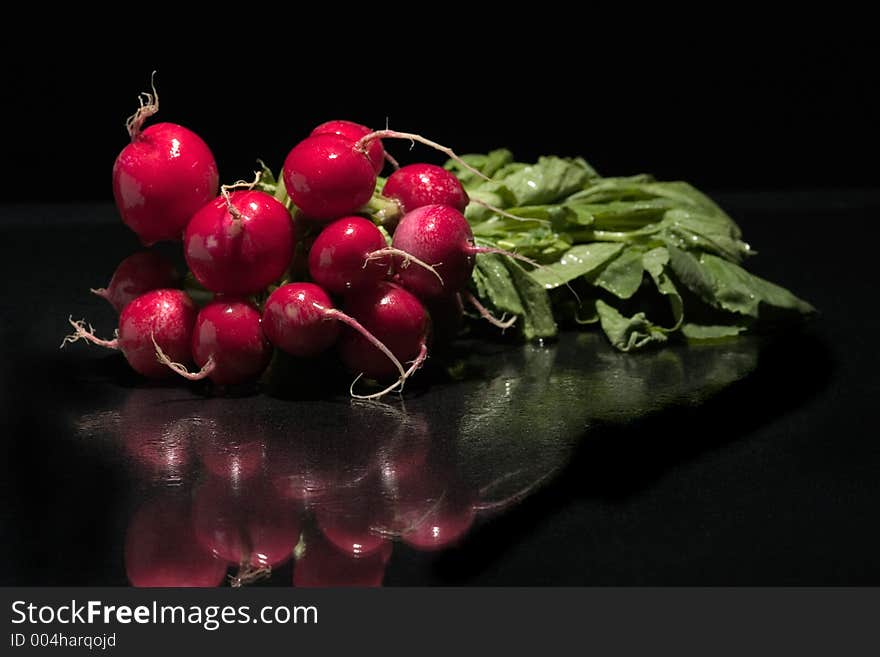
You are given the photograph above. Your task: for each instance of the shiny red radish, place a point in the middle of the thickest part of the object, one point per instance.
(239, 243)
(327, 176)
(299, 319)
(138, 273)
(162, 177)
(159, 317)
(161, 549)
(352, 253)
(397, 319)
(417, 185)
(353, 132)
(227, 344)
(439, 234)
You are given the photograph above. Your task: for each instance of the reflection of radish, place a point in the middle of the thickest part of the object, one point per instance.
(432, 509)
(156, 435)
(247, 525)
(315, 464)
(161, 548)
(322, 565)
(230, 450)
(350, 520)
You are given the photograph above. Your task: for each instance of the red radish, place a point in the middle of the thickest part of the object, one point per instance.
(227, 343)
(416, 185)
(162, 177)
(328, 176)
(161, 547)
(351, 253)
(249, 526)
(138, 273)
(159, 317)
(395, 317)
(323, 565)
(439, 234)
(299, 319)
(354, 131)
(239, 243)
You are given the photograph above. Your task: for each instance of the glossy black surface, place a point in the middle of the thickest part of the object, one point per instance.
(748, 462)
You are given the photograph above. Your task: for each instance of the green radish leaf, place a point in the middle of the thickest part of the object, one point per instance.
(538, 319)
(623, 276)
(738, 291)
(498, 285)
(688, 270)
(656, 263)
(548, 181)
(628, 333)
(575, 262)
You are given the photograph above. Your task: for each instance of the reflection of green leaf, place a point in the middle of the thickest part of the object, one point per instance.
(710, 332)
(576, 262)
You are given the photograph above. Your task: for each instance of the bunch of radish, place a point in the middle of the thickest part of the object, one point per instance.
(370, 295)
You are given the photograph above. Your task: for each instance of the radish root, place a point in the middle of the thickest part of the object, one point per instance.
(80, 332)
(391, 161)
(407, 259)
(414, 365)
(148, 104)
(361, 145)
(238, 184)
(100, 291)
(488, 316)
(180, 369)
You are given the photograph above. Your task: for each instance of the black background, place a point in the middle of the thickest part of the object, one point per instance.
(772, 484)
(725, 113)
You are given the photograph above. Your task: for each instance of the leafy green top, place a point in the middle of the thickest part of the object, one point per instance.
(644, 259)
